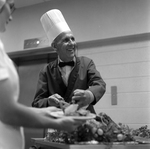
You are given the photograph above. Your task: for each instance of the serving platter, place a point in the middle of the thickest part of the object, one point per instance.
(60, 114)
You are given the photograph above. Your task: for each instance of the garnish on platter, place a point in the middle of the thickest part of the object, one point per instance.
(101, 129)
(73, 111)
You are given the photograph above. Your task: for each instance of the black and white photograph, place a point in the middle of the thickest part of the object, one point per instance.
(74, 74)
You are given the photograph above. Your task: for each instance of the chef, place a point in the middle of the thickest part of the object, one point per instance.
(68, 78)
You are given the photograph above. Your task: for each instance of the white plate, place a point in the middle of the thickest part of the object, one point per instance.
(60, 114)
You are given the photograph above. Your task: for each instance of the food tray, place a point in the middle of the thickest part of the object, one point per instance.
(41, 142)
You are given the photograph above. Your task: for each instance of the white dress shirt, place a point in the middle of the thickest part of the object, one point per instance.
(65, 72)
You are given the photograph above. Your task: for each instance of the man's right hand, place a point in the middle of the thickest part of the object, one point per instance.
(56, 97)
(54, 100)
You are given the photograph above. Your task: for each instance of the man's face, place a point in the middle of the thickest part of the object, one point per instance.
(66, 46)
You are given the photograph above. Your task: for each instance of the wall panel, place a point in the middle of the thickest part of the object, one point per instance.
(128, 70)
(117, 56)
(125, 100)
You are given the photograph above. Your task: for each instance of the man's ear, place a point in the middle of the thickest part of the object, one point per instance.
(53, 46)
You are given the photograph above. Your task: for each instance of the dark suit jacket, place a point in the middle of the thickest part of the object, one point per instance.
(83, 76)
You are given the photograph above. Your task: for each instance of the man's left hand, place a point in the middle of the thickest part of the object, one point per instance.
(82, 97)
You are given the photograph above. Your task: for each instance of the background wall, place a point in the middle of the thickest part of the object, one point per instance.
(88, 19)
(126, 66)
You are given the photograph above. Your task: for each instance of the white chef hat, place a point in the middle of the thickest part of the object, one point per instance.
(54, 24)
(2, 2)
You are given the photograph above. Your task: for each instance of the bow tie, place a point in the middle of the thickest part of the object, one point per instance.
(63, 64)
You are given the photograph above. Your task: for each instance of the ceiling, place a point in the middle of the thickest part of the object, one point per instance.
(25, 3)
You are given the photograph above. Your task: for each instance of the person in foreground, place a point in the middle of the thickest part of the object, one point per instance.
(69, 78)
(13, 115)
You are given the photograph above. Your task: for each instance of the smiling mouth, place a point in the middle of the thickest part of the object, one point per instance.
(71, 50)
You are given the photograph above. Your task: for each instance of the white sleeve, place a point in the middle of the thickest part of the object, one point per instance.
(3, 69)
(3, 73)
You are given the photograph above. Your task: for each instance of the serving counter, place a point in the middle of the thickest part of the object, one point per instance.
(44, 144)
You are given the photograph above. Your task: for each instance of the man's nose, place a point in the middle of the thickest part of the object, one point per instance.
(71, 42)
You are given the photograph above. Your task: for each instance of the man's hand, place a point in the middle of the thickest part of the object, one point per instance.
(54, 100)
(82, 97)
(56, 97)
